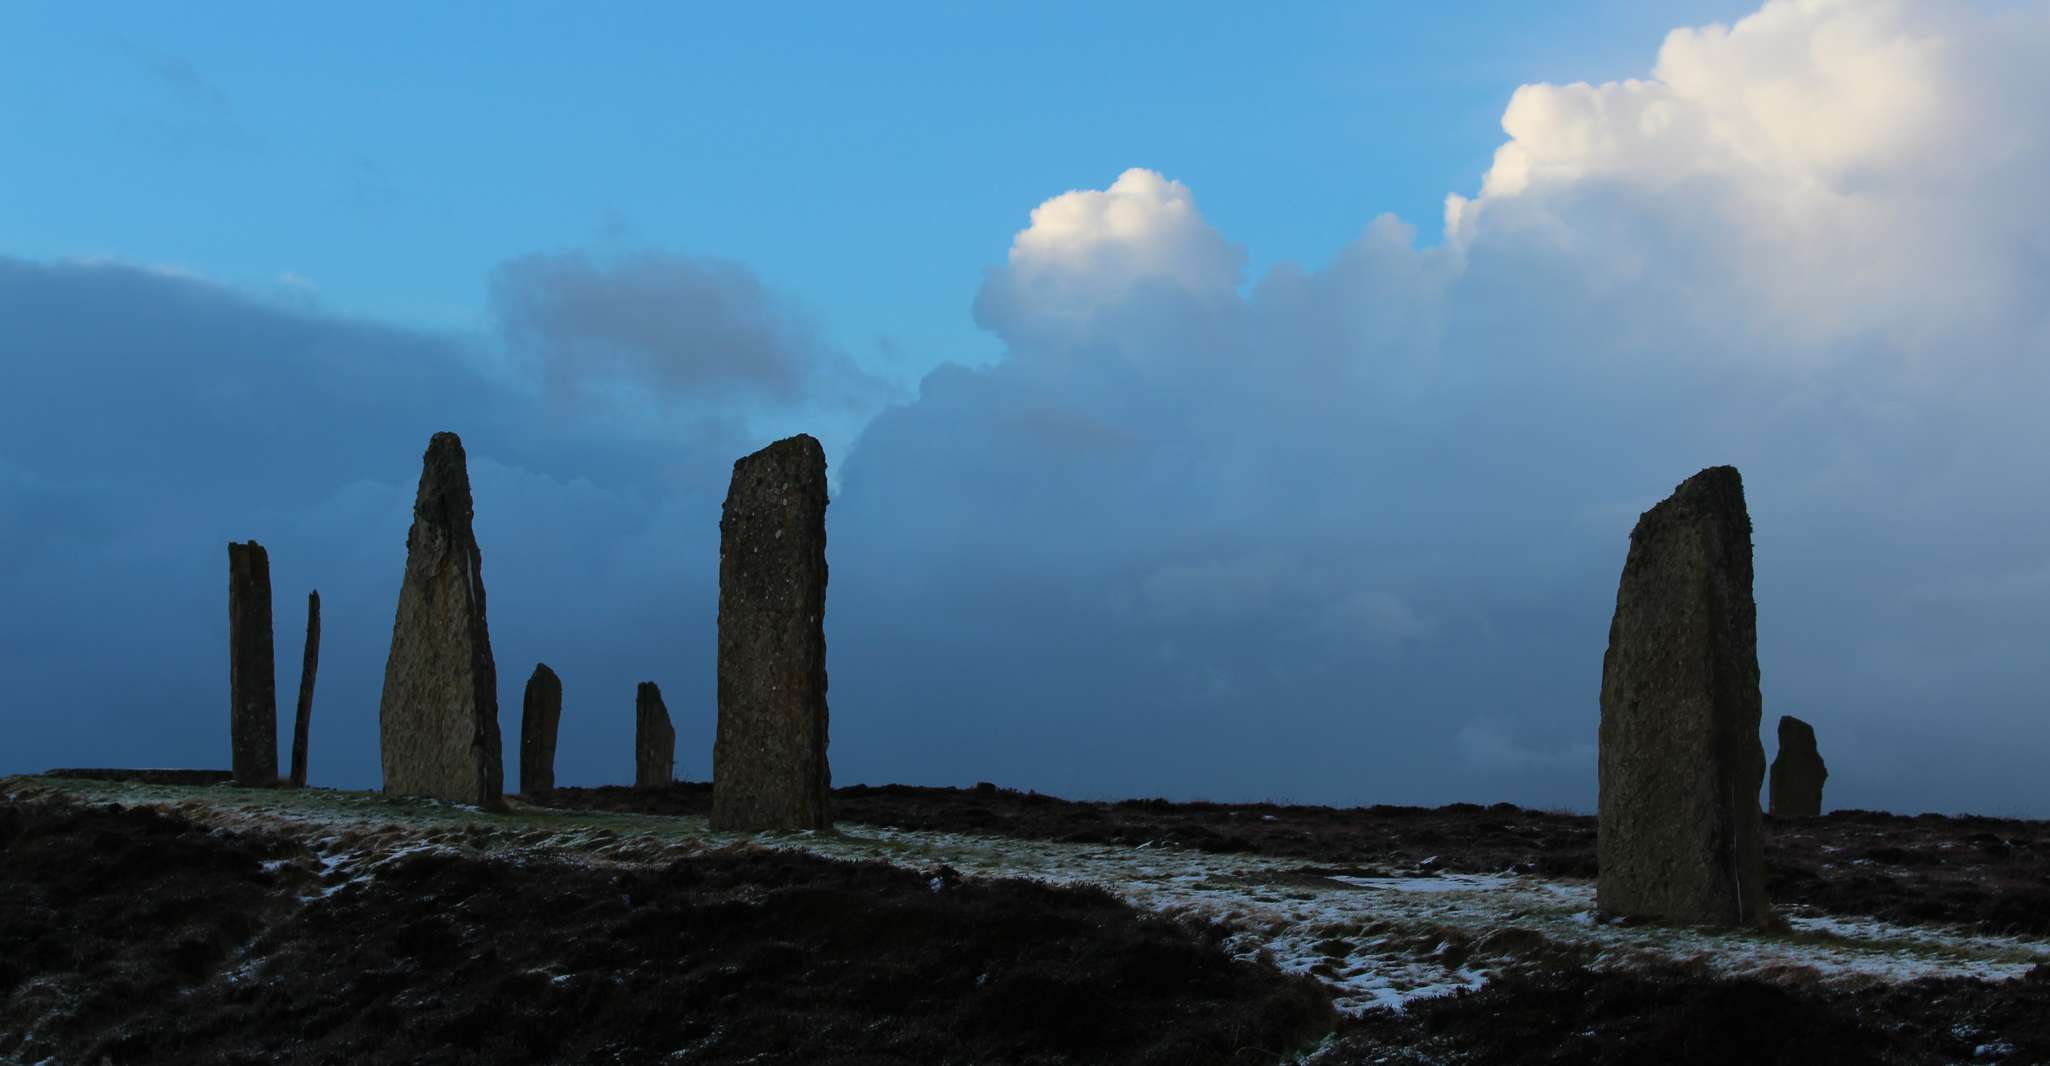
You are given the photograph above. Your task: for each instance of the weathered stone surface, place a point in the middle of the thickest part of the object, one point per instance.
(540, 717)
(654, 738)
(1795, 788)
(308, 668)
(1680, 758)
(252, 667)
(438, 719)
(769, 768)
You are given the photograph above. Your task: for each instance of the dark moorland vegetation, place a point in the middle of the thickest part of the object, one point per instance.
(1990, 874)
(130, 935)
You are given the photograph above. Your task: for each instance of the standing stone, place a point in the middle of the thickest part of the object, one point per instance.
(769, 767)
(1795, 790)
(1680, 758)
(654, 739)
(438, 720)
(540, 714)
(307, 668)
(252, 667)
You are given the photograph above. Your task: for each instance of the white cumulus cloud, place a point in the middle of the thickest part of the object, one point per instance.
(1089, 252)
(1821, 172)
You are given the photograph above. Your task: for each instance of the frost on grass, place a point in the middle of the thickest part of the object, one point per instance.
(1375, 940)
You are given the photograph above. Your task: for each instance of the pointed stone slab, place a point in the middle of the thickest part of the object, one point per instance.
(654, 738)
(540, 715)
(252, 667)
(769, 768)
(1680, 758)
(438, 719)
(1795, 788)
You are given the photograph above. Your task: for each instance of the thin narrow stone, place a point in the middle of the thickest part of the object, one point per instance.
(252, 668)
(307, 668)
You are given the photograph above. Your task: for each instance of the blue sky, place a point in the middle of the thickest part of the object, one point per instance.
(1220, 403)
(870, 159)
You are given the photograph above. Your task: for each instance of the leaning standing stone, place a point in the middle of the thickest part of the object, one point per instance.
(1680, 758)
(540, 714)
(1795, 788)
(438, 720)
(654, 738)
(252, 667)
(309, 668)
(769, 768)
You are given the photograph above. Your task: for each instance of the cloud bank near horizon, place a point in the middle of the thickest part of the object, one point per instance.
(1352, 533)
(1337, 534)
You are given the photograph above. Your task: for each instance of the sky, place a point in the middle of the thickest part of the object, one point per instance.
(1218, 404)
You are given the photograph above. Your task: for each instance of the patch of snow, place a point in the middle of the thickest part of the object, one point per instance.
(1444, 883)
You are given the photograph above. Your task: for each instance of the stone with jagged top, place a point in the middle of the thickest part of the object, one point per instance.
(438, 719)
(1680, 761)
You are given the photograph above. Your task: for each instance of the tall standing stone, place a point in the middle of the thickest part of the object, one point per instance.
(540, 714)
(308, 667)
(654, 739)
(769, 768)
(252, 667)
(438, 720)
(1795, 788)
(1680, 758)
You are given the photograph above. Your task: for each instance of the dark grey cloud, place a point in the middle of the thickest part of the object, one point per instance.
(670, 327)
